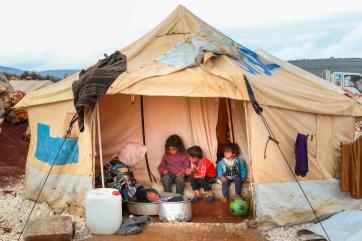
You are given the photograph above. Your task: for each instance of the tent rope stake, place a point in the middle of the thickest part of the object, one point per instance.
(259, 111)
(67, 134)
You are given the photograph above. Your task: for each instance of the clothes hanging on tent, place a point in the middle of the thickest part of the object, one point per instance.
(95, 81)
(351, 168)
(301, 155)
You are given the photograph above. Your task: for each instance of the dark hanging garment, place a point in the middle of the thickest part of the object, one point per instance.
(95, 81)
(301, 155)
(351, 168)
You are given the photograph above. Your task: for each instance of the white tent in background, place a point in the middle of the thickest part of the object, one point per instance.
(28, 86)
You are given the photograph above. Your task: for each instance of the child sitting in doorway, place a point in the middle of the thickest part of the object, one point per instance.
(231, 169)
(173, 165)
(202, 174)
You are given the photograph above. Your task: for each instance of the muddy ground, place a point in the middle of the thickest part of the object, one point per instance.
(13, 150)
(188, 231)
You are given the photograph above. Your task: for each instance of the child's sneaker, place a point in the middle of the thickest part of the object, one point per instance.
(210, 199)
(195, 199)
(224, 200)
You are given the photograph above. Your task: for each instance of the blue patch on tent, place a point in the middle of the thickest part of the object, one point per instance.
(47, 148)
(252, 62)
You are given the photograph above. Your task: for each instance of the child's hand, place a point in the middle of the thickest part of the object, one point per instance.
(188, 171)
(180, 174)
(164, 172)
(223, 179)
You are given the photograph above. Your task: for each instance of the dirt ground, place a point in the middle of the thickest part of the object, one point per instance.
(13, 150)
(201, 213)
(188, 231)
(209, 222)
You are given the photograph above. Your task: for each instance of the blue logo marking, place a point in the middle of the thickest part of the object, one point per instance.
(47, 147)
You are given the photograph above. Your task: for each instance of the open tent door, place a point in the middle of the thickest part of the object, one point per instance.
(241, 134)
(224, 130)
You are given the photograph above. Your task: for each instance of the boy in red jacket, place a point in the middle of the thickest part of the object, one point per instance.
(202, 173)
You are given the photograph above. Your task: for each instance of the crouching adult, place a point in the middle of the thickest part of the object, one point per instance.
(118, 175)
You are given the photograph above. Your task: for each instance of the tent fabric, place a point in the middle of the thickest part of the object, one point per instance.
(203, 116)
(61, 192)
(341, 226)
(95, 81)
(285, 204)
(323, 151)
(163, 117)
(184, 56)
(45, 147)
(240, 131)
(28, 86)
(351, 167)
(299, 71)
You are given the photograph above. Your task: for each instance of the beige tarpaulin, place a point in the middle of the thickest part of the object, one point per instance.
(325, 132)
(184, 56)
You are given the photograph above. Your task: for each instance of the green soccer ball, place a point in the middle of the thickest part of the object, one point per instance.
(239, 207)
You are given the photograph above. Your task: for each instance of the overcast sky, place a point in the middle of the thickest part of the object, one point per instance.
(59, 34)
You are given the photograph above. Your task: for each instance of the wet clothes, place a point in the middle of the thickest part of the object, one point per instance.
(236, 169)
(174, 163)
(205, 183)
(301, 155)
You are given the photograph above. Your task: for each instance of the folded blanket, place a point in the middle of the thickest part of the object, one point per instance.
(95, 81)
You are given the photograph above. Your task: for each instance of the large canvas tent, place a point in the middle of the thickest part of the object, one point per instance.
(184, 72)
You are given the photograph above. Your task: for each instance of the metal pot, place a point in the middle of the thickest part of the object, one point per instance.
(176, 211)
(152, 209)
(138, 208)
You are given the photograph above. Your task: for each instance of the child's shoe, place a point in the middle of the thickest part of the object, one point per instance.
(224, 200)
(210, 199)
(195, 199)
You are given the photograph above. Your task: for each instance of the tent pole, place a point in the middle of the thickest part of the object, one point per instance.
(150, 175)
(100, 143)
(231, 120)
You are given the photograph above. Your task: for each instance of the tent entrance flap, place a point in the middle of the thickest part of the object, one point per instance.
(224, 127)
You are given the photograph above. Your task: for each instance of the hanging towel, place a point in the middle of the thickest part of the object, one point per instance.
(351, 168)
(301, 155)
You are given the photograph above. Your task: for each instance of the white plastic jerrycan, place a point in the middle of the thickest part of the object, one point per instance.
(103, 208)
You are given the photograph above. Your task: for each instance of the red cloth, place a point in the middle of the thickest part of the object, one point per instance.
(173, 163)
(204, 168)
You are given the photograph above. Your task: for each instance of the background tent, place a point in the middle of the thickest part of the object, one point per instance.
(28, 86)
(185, 73)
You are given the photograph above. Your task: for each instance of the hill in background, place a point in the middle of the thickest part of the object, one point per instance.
(317, 66)
(57, 73)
